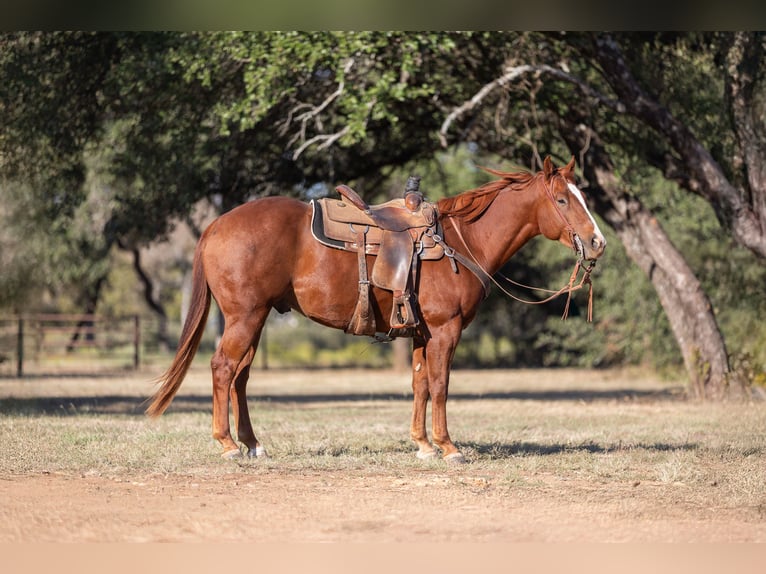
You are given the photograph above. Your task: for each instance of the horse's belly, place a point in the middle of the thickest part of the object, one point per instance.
(325, 286)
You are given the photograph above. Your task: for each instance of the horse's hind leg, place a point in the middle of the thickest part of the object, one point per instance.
(236, 344)
(238, 395)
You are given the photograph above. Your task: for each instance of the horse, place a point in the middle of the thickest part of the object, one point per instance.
(262, 255)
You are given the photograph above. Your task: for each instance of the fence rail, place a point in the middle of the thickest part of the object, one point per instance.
(47, 335)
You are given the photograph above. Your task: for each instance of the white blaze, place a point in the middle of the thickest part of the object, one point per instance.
(578, 194)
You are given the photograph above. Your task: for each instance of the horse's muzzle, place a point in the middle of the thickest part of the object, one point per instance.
(589, 251)
(598, 245)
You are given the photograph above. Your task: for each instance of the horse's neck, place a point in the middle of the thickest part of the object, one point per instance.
(507, 225)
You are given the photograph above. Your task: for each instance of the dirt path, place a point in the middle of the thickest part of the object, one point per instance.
(455, 506)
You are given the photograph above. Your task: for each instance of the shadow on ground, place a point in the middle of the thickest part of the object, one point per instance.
(132, 405)
(518, 448)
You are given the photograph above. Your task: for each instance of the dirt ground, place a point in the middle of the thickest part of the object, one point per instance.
(432, 504)
(323, 507)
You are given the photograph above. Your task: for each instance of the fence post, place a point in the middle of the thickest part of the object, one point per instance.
(20, 349)
(136, 341)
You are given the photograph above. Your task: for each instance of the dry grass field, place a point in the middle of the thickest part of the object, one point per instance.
(553, 455)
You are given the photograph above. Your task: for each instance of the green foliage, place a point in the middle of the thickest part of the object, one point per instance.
(294, 341)
(684, 71)
(113, 138)
(629, 326)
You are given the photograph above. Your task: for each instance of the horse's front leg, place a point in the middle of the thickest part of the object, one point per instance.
(439, 352)
(420, 402)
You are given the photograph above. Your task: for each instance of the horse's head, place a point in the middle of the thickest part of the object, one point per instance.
(563, 215)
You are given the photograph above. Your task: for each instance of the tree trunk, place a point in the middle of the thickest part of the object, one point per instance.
(684, 301)
(148, 291)
(680, 293)
(88, 300)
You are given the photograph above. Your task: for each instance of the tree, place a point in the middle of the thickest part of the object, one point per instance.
(686, 304)
(730, 174)
(163, 120)
(585, 125)
(671, 85)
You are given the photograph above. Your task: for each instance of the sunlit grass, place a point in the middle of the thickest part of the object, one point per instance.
(518, 430)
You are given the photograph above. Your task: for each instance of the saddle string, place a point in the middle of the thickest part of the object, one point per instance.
(569, 288)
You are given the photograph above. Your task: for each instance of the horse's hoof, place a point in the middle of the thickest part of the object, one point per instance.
(257, 452)
(426, 454)
(232, 454)
(455, 458)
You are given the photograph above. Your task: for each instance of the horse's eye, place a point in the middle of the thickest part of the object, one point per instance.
(562, 201)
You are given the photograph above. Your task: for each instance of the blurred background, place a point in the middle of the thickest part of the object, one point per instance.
(118, 148)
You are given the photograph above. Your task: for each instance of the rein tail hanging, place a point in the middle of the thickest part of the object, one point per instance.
(569, 288)
(586, 280)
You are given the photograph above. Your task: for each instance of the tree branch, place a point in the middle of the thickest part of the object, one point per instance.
(313, 113)
(327, 139)
(708, 178)
(746, 103)
(512, 74)
(734, 207)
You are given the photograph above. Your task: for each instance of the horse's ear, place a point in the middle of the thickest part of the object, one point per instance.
(570, 167)
(547, 167)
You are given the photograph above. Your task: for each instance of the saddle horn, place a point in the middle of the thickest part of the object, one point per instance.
(412, 196)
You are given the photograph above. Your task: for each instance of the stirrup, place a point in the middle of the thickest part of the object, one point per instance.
(403, 314)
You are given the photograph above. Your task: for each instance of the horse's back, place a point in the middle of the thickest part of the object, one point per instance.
(263, 213)
(247, 225)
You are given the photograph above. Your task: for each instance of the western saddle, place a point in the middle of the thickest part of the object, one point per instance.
(399, 233)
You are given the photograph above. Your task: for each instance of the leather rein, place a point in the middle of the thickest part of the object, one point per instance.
(569, 288)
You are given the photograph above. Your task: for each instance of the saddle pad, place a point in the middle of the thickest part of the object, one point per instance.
(339, 234)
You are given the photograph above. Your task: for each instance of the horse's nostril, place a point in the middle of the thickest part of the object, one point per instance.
(596, 242)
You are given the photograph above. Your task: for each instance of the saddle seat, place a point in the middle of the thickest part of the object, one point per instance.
(398, 236)
(410, 212)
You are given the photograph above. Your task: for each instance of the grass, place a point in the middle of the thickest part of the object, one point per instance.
(520, 430)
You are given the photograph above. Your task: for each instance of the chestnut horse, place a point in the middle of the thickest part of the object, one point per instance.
(262, 254)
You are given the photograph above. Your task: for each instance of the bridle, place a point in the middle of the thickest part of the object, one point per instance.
(569, 288)
(573, 237)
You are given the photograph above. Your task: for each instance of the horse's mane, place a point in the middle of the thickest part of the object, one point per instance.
(470, 205)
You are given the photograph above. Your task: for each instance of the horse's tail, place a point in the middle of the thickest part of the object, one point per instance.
(191, 335)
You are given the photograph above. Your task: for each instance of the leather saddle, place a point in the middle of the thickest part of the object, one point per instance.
(399, 233)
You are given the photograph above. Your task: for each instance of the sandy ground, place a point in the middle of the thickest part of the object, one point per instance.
(324, 507)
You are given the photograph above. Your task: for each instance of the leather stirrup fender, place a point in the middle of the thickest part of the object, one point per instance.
(363, 319)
